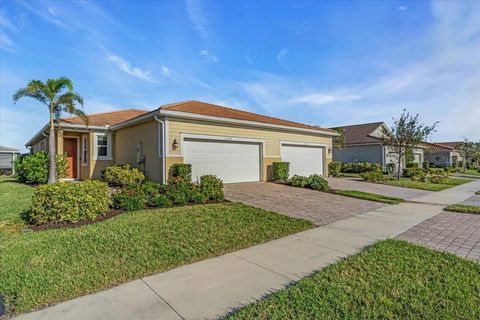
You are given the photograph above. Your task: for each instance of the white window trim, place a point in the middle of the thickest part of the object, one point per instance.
(84, 147)
(109, 146)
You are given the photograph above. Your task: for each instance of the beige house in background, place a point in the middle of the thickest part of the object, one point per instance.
(235, 145)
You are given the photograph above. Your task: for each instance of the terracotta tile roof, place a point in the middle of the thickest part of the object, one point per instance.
(106, 118)
(360, 133)
(452, 144)
(436, 147)
(208, 109)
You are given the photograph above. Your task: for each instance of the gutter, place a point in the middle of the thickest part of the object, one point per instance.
(66, 126)
(162, 152)
(194, 116)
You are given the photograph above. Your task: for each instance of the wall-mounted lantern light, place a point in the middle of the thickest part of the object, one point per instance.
(175, 144)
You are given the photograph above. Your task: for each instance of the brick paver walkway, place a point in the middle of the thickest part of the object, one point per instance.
(458, 233)
(386, 190)
(320, 207)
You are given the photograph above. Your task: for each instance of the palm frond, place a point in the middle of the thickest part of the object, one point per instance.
(68, 101)
(35, 89)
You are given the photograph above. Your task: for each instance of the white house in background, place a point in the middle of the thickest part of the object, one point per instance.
(7, 156)
(363, 144)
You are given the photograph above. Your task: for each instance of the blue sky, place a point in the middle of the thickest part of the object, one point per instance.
(324, 63)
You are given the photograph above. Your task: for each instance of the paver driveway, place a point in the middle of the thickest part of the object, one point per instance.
(386, 190)
(319, 207)
(458, 233)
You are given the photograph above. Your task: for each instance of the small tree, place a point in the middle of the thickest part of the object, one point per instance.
(339, 141)
(52, 94)
(468, 150)
(406, 133)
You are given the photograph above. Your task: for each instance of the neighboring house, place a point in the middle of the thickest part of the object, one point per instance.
(363, 144)
(235, 145)
(442, 155)
(7, 156)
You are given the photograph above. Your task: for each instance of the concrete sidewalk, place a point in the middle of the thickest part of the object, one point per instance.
(211, 288)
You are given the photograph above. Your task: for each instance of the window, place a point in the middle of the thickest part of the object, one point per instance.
(103, 146)
(84, 150)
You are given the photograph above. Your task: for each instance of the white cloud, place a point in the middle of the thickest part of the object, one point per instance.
(282, 56)
(207, 56)
(126, 67)
(318, 99)
(197, 16)
(402, 8)
(6, 43)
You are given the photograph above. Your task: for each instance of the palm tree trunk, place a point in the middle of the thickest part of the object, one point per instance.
(52, 172)
(399, 164)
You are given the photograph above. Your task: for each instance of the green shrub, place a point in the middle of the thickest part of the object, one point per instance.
(335, 168)
(33, 168)
(69, 202)
(373, 176)
(199, 197)
(298, 181)
(412, 171)
(391, 168)
(317, 182)
(180, 191)
(359, 167)
(151, 190)
(122, 176)
(160, 200)
(280, 170)
(211, 187)
(437, 177)
(182, 170)
(129, 198)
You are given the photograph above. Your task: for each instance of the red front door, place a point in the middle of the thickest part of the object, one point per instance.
(70, 148)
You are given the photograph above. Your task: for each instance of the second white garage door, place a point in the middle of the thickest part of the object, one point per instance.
(230, 161)
(304, 160)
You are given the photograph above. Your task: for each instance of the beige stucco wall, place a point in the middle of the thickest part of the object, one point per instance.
(97, 166)
(126, 146)
(272, 138)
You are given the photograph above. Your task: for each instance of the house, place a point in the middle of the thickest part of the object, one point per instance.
(362, 143)
(442, 155)
(7, 156)
(235, 145)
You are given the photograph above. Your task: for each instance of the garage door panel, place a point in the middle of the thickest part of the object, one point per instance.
(304, 160)
(230, 161)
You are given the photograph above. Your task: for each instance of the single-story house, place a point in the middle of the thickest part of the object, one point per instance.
(7, 156)
(362, 143)
(235, 145)
(442, 155)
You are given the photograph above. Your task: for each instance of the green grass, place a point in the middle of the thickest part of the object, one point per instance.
(471, 172)
(350, 175)
(463, 208)
(368, 196)
(40, 268)
(390, 280)
(14, 200)
(407, 183)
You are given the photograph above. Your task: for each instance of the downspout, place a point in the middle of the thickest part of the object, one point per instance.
(163, 147)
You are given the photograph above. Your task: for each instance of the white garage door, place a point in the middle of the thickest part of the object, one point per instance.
(230, 161)
(304, 160)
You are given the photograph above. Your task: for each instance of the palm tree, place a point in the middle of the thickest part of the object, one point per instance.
(58, 96)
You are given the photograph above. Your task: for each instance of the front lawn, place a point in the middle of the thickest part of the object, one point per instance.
(407, 183)
(14, 200)
(463, 208)
(40, 268)
(392, 279)
(471, 172)
(368, 196)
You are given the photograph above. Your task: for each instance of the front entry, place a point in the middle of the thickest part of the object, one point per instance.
(70, 148)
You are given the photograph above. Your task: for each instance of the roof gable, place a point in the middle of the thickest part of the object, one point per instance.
(362, 133)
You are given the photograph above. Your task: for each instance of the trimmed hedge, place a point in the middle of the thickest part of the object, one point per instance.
(33, 168)
(129, 198)
(69, 202)
(314, 181)
(373, 176)
(122, 176)
(280, 170)
(360, 167)
(182, 170)
(211, 187)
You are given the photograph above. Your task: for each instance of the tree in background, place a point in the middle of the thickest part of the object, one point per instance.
(58, 96)
(406, 133)
(469, 150)
(339, 141)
